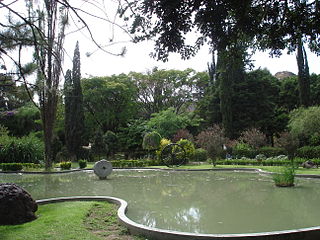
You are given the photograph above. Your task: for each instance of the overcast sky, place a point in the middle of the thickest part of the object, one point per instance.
(137, 57)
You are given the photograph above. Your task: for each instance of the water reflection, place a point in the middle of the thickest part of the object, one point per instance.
(199, 202)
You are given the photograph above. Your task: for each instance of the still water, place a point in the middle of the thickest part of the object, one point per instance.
(197, 202)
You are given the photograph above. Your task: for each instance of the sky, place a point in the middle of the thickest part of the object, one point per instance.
(137, 59)
(137, 56)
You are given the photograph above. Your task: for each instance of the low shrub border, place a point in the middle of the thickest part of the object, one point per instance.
(266, 162)
(18, 166)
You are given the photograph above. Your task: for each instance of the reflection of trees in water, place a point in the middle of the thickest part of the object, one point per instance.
(61, 185)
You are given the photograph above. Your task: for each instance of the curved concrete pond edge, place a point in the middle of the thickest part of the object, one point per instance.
(160, 234)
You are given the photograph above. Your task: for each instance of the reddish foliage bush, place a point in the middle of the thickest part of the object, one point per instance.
(254, 138)
(182, 134)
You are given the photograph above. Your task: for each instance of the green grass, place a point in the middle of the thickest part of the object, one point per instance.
(67, 221)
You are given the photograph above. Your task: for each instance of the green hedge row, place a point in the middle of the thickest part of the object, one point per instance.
(17, 166)
(267, 162)
(252, 153)
(309, 152)
(134, 163)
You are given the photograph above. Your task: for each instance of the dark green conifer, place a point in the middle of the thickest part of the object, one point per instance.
(74, 115)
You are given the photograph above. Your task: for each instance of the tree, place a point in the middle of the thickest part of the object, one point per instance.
(230, 67)
(303, 75)
(74, 115)
(305, 123)
(168, 122)
(160, 89)
(48, 46)
(131, 138)
(99, 147)
(272, 25)
(111, 139)
(45, 22)
(255, 103)
(108, 102)
(151, 141)
(212, 139)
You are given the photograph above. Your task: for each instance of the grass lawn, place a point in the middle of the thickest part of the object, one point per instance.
(70, 220)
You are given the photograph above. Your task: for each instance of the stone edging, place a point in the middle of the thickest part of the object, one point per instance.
(160, 234)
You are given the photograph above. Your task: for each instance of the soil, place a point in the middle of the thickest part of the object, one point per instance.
(102, 221)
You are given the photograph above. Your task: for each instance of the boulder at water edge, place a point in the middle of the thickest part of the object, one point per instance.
(16, 205)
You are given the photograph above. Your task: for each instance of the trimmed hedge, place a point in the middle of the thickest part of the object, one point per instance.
(200, 155)
(271, 151)
(309, 152)
(252, 153)
(82, 163)
(65, 165)
(17, 166)
(134, 163)
(266, 162)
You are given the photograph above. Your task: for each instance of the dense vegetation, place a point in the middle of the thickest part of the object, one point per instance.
(116, 121)
(229, 111)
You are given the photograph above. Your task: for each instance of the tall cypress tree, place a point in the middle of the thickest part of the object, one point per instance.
(74, 115)
(303, 75)
(230, 67)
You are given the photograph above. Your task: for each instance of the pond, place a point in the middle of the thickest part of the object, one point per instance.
(196, 202)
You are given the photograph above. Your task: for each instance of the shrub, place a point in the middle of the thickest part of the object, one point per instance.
(65, 165)
(243, 150)
(304, 123)
(253, 137)
(308, 152)
(200, 155)
(132, 163)
(28, 149)
(272, 151)
(315, 139)
(4, 131)
(289, 142)
(285, 178)
(151, 141)
(188, 147)
(212, 140)
(82, 163)
(163, 143)
(11, 166)
(182, 134)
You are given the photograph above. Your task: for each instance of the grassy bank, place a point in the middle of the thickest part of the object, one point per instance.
(70, 220)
